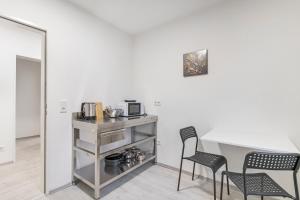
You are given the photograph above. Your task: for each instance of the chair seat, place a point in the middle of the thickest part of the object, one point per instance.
(259, 184)
(209, 160)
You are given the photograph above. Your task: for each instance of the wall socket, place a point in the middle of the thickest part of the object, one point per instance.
(157, 103)
(158, 142)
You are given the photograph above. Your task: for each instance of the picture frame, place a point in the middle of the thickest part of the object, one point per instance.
(195, 63)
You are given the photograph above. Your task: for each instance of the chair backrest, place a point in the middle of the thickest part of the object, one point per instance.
(272, 161)
(188, 132)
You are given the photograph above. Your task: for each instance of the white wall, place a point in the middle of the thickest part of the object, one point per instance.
(87, 61)
(253, 82)
(14, 41)
(28, 97)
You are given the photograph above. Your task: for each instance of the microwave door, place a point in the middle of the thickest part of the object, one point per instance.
(134, 109)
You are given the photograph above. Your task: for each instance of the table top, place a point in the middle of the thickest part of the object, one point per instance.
(259, 141)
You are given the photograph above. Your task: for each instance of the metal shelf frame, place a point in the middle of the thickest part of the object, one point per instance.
(93, 175)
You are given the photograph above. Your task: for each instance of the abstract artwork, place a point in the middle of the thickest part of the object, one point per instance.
(195, 63)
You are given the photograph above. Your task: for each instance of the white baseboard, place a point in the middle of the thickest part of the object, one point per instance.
(190, 174)
(177, 170)
(59, 189)
(7, 163)
(27, 137)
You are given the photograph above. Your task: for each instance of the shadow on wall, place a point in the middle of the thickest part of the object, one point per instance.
(296, 140)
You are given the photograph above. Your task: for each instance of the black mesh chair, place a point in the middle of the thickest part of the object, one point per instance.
(214, 162)
(260, 184)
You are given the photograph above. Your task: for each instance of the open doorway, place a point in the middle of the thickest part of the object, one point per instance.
(28, 121)
(28, 97)
(23, 105)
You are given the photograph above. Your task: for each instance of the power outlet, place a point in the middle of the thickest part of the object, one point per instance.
(158, 143)
(157, 103)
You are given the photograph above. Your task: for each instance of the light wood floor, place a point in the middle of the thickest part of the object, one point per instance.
(20, 181)
(156, 183)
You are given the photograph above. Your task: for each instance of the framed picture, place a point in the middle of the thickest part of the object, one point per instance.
(195, 63)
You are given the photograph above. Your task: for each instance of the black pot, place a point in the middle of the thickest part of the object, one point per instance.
(113, 159)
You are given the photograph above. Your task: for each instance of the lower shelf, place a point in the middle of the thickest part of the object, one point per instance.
(108, 174)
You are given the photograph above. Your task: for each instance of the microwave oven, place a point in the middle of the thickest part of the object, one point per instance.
(132, 108)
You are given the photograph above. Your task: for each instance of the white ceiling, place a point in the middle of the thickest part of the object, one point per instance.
(136, 16)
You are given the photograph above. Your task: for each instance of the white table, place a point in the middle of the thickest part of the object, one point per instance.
(252, 140)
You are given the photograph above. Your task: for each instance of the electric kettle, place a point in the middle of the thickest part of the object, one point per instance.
(88, 111)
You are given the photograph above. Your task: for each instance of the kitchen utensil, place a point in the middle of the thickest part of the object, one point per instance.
(128, 155)
(140, 156)
(113, 160)
(133, 154)
(135, 151)
(113, 113)
(88, 111)
(113, 170)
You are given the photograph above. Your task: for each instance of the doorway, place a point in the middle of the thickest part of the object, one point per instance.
(23, 105)
(28, 97)
(28, 122)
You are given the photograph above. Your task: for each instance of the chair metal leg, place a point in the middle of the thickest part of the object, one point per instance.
(228, 192)
(214, 174)
(179, 175)
(262, 197)
(245, 186)
(296, 185)
(245, 196)
(222, 180)
(193, 171)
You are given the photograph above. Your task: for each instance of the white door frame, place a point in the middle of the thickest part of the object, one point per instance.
(43, 92)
